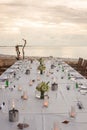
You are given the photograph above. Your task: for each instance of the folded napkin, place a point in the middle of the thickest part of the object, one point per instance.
(71, 71)
(2, 79)
(79, 77)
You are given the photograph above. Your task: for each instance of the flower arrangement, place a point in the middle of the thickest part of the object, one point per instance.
(41, 67)
(40, 60)
(43, 86)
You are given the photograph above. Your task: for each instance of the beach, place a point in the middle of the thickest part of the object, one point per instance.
(7, 60)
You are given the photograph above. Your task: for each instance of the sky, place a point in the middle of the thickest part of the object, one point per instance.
(43, 22)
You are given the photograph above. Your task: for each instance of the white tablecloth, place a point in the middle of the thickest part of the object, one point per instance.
(60, 101)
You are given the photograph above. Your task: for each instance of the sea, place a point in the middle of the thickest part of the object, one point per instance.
(46, 51)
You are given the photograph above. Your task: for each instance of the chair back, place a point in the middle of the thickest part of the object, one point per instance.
(84, 64)
(80, 61)
(84, 68)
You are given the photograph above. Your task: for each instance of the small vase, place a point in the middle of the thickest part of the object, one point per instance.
(42, 95)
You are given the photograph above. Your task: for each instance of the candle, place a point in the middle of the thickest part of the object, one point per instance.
(48, 74)
(13, 104)
(19, 88)
(56, 127)
(54, 79)
(25, 97)
(38, 78)
(72, 114)
(45, 103)
(13, 113)
(31, 83)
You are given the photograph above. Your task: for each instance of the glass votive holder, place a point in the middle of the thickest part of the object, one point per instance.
(19, 88)
(37, 94)
(72, 112)
(46, 101)
(48, 74)
(30, 83)
(38, 78)
(25, 95)
(2, 86)
(56, 126)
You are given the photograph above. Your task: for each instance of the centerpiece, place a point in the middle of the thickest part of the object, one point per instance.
(40, 60)
(41, 67)
(13, 112)
(42, 88)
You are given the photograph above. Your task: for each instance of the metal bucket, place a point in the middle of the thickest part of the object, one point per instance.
(13, 115)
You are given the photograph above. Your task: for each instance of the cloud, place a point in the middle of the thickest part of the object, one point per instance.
(55, 14)
(55, 20)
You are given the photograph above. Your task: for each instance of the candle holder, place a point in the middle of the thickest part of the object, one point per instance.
(48, 74)
(54, 86)
(56, 126)
(72, 112)
(19, 88)
(24, 96)
(13, 115)
(27, 72)
(37, 94)
(46, 101)
(38, 78)
(13, 112)
(30, 83)
(52, 66)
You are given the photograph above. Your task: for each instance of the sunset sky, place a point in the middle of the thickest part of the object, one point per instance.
(43, 22)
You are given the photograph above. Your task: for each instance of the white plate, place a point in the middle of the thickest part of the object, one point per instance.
(83, 91)
(83, 87)
(3, 78)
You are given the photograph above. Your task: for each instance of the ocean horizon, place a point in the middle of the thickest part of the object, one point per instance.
(56, 51)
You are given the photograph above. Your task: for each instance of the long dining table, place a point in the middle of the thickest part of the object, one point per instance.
(70, 96)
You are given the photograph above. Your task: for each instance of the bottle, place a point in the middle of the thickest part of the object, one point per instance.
(6, 83)
(76, 85)
(69, 76)
(62, 69)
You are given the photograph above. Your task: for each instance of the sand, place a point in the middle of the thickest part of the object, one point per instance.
(6, 62)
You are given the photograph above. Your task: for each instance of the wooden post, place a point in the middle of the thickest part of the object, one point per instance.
(23, 48)
(18, 51)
